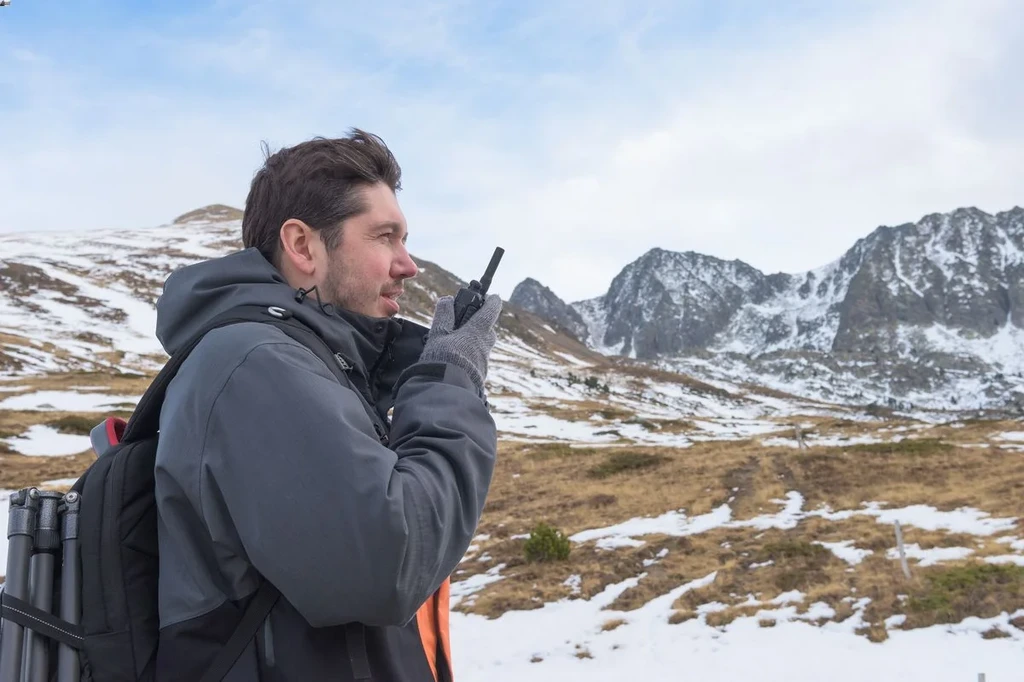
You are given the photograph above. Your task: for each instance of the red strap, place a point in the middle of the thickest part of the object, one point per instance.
(115, 429)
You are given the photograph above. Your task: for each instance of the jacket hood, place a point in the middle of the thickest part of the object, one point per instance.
(195, 294)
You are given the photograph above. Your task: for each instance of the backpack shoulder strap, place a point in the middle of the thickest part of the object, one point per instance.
(337, 365)
(255, 613)
(145, 419)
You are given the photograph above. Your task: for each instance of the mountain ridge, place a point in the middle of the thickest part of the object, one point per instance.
(949, 288)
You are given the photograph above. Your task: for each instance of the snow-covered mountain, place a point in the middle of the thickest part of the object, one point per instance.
(960, 273)
(533, 296)
(85, 302)
(912, 313)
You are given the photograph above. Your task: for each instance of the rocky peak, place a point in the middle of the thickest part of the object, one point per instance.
(536, 298)
(666, 301)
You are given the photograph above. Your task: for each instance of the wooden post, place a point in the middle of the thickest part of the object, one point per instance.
(903, 554)
(799, 437)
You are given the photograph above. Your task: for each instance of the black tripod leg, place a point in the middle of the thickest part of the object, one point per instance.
(22, 520)
(68, 667)
(44, 559)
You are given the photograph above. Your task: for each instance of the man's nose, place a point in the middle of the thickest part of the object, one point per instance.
(404, 267)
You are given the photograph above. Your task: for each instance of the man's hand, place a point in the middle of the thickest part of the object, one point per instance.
(470, 345)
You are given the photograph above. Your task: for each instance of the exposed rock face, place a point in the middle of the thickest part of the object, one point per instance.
(961, 273)
(533, 296)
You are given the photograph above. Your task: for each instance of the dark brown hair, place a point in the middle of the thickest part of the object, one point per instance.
(317, 182)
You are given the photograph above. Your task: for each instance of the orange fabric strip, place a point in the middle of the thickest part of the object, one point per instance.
(427, 625)
(443, 599)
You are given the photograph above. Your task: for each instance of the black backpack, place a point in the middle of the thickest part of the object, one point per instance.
(119, 629)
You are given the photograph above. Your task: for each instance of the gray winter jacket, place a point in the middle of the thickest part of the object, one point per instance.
(268, 466)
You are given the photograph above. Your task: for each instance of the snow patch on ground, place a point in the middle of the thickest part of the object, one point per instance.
(68, 401)
(846, 551)
(677, 523)
(564, 641)
(932, 556)
(40, 440)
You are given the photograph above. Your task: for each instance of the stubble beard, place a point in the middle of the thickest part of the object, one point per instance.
(345, 293)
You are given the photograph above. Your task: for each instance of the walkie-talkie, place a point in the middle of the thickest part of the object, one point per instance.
(469, 299)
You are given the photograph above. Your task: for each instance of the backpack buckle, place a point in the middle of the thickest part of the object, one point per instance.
(278, 312)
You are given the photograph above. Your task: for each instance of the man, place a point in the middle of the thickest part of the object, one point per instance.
(271, 468)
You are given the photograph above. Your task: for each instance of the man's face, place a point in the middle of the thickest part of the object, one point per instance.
(365, 273)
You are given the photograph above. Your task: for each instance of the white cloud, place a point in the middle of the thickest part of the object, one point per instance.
(782, 158)
(780, 144)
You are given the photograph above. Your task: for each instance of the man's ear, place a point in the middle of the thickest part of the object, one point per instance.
(298, 245)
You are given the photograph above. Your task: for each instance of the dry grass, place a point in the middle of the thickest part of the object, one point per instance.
(547, 482)
(678, 617)
(111, 381)
(19, 471)
(610, 625)
(16, 422)
(625, 462)
(581, 410)
(950, 593)
(995, 632)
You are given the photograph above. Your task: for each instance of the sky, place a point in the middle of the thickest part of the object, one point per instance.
(575, 135)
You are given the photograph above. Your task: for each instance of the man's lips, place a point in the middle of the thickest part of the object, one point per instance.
(392, 299)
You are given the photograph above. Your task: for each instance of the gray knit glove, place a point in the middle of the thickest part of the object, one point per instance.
(470, 345)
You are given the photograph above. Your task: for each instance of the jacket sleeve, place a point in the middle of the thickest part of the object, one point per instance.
(349, 530)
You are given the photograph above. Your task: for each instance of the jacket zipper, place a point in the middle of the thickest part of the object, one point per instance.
(346, 367)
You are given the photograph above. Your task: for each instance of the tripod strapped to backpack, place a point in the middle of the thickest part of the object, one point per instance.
(42, 533)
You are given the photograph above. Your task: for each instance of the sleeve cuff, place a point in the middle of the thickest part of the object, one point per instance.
(441, 372)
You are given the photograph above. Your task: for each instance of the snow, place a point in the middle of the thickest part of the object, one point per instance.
(899, 272)
(846, 551)
(467, 588)
(677, 523)
(1014, 543)
(616, 542)
(895, 621)
(564, 641)
(572, 359)
(672, 523)
(961, 520)
(817, 441)
(1005, 348)
(46, 441)
(930, 557)
(574, 582)
(503, 648)
(67, 401)
(1006, 559)
(791, 597)
(93, 267)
